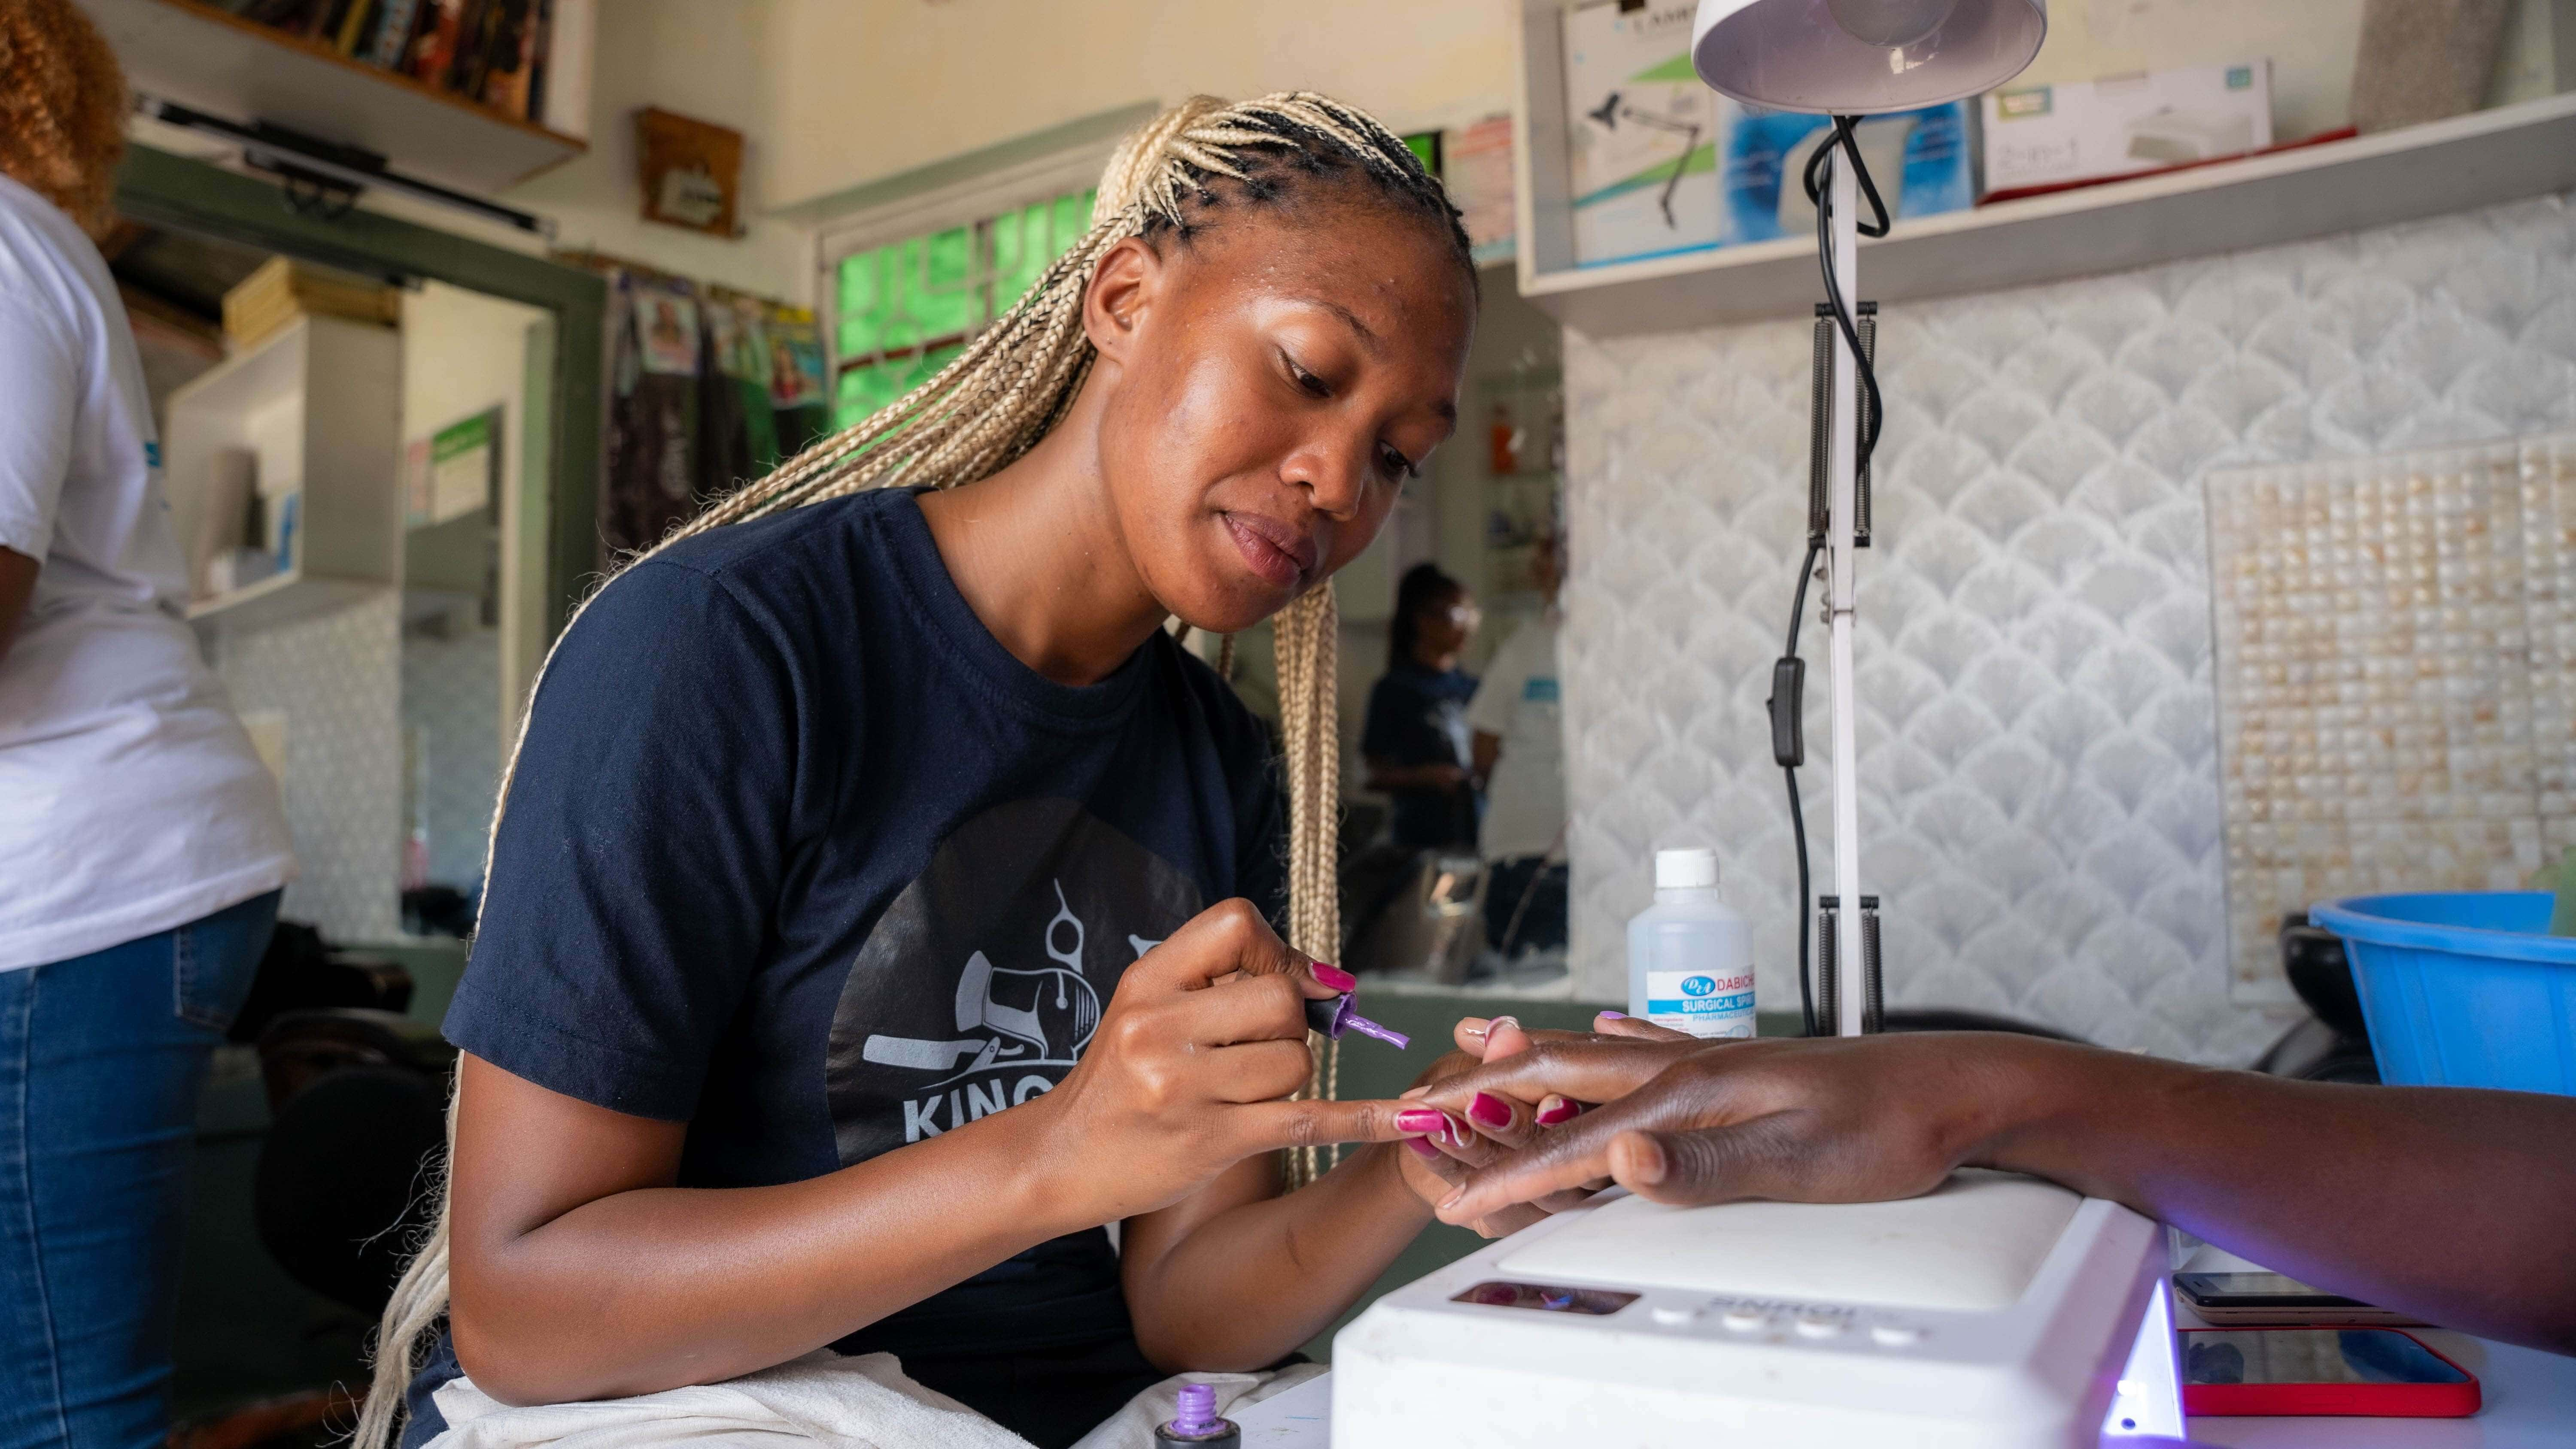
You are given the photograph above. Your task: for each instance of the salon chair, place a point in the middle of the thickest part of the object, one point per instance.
(358, 1129)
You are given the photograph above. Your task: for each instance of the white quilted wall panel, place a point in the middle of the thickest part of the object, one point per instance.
(337, 678)
(2040, 799)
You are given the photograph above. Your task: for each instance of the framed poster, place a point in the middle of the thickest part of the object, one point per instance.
(692, 172)
(454, 472)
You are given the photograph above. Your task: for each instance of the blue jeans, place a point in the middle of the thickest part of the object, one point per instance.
(101, 1059)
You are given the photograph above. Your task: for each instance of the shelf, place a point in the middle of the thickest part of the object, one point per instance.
(2480, 159)
(315, 406)
(282, 598)
(198, 55)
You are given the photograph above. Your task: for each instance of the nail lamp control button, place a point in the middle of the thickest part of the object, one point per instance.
(1745, 1320)
(1818, 1325)
(1895, 1335)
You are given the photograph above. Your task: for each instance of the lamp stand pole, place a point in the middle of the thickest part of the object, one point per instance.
(1840, 576)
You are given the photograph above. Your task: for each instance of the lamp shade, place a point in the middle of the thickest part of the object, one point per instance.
(1854, 57)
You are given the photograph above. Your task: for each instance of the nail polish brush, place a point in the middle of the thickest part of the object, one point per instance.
(1196, 1423)
(1333, 1015)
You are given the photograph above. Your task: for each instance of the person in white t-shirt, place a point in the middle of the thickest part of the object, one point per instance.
(142, 846)
(1519, 746)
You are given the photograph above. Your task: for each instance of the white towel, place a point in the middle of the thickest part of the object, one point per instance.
(861, 1402)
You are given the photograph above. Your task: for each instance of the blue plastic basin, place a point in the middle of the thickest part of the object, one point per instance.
(2463, 988)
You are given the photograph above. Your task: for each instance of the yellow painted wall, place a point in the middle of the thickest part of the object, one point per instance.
(865, 90)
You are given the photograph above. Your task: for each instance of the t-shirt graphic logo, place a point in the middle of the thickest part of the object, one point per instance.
(1050, 1032)
(983, 982)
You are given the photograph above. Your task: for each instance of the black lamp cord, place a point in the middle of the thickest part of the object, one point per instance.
(1788, 746)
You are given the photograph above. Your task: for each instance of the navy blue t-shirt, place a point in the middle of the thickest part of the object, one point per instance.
(798, 853)
(1418, 716)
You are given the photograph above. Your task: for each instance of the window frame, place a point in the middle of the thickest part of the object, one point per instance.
(997, 182)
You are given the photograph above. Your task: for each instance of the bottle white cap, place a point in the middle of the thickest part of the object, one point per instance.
(1688, 869)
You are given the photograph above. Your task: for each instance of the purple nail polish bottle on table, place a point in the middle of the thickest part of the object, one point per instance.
(1333, 1015)
(1196, 1423)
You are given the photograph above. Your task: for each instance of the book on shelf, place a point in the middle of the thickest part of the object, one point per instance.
(395, 20)
(491, 52)
(505, 76)
(270, 299)
(433, 50)
(352, 22)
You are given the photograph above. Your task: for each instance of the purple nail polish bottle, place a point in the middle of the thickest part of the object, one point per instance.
(1333, 1015)
(1196, 1423)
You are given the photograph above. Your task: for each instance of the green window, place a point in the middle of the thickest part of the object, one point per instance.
(908, 307)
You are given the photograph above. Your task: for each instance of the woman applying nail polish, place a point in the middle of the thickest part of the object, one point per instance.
(883, 908)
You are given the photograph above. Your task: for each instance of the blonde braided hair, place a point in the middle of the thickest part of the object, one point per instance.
(1008, 389)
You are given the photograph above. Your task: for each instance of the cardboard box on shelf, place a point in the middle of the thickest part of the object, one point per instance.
(1918, 159)
(2119, 125)
(1643, 134)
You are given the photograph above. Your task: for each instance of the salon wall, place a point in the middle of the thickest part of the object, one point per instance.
(864, 91)
(334, 679)
(712, 62)
(2039, 792)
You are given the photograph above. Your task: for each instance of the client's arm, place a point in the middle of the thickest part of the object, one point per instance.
(2455, 1204)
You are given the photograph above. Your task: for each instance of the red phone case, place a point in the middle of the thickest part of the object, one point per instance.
(2373, 1401)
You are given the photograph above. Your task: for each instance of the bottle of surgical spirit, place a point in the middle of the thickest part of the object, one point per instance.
(1690, 957)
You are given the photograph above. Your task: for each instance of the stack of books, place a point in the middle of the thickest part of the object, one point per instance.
(491, 52)
(270, 299)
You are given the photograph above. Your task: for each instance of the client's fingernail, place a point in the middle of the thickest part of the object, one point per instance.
(1422, 1149)
(1456, 1133)
(1422, 1119)
(1335, 977)
(1489, 1109)
(1473, 1027)
(1450, 1201)
(1498, 1023)
(1554, 1110)
(1611, 1015)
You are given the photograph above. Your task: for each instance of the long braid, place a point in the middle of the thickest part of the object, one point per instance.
(1007, 390)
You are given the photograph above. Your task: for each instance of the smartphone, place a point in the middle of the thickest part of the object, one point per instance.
(2269, 1298)
(2373, 1372)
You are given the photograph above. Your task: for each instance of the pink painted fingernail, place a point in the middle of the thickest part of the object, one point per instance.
(1455, 1133)
(1335, 977)
(1489, 1109)
(1422, 1119)
(1422, 1148)
(1556, 1109)
(1611, 1015)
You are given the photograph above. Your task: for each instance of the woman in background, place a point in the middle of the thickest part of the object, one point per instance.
(1416, 738)
(1520, 754)
(141, 844)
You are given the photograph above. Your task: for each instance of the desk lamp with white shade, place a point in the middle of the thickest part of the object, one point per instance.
(1844, 59)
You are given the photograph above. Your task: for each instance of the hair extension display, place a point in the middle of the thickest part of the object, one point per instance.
(1007, 390)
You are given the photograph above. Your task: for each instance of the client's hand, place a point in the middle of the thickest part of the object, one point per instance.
(1854, 1119)
(1447, 1144)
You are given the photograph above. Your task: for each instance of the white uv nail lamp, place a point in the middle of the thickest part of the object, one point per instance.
(1998, 1312)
